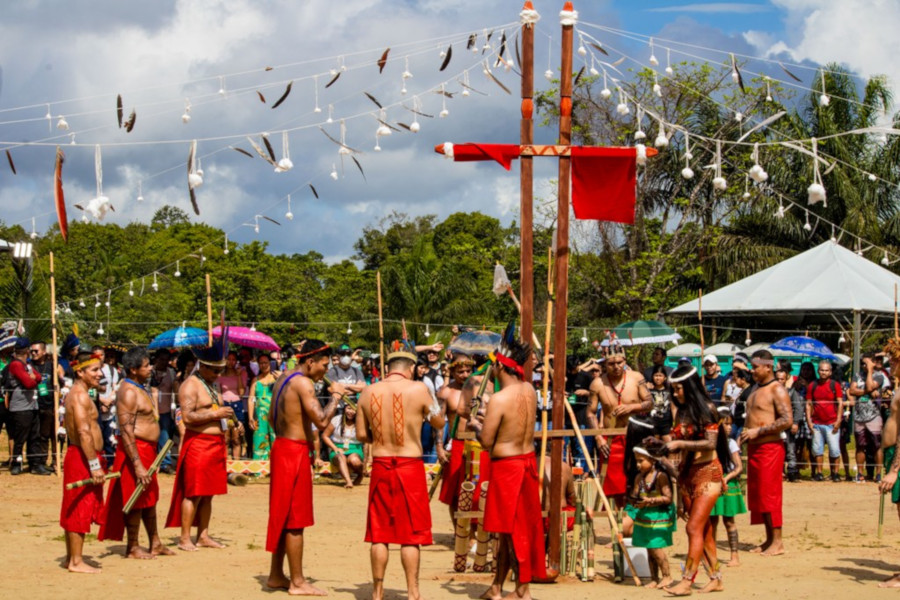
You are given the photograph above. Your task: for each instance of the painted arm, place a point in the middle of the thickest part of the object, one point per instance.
(310, 403)
(192, 415)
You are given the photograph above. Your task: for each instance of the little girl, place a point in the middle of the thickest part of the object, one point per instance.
(731, 502)
(651, 520)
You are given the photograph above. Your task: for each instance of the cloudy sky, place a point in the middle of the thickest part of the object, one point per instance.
(78, 55)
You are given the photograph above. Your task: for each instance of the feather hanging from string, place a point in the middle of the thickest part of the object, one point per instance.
(269, 147)
(471, 43)
(736, 74)
(287, 91)
(792, 76)
(190, 171)
(359, 166)
(373, 99)
(447, 57)
(242, 151)
(315, 193)
(333, 79)
(12, 165)
(58, 197)
(119, 110)
(490, 76)
(261, 97)
(261, 152)
(129, 124)
(383, 60)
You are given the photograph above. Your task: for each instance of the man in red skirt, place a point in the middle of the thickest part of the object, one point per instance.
(136, 450)
(390, 417)
(513, 506)
(82, 506)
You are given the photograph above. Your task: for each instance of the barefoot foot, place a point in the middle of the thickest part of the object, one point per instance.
(305, 589)
(138, 552)
(82, 567)
(493, 593)
(682, 588)
(666, 582)
(714, 585)
(278, 583)
(891, 582)
(161, 550)
(773, 550)
(652, 585)
(734, 562)
(208, 542)
(514, 595)
(187, 546)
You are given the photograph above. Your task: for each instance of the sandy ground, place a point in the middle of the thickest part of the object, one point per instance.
(833, 551)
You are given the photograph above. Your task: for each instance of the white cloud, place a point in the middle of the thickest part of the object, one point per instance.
(861, 34)
(715, 7)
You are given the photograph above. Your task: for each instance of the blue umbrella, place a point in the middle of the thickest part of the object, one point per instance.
(180, 337)
(804, 345)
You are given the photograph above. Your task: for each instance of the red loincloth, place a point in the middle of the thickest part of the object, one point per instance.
(614, 484)
(570, 518)
(513, 507)
(454, 474)
(201, 472)
(765, 463)
(290, 489)
(398, 502)
(81, 506)
(120, 490)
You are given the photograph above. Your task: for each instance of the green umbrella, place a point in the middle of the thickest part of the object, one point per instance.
(636, 333)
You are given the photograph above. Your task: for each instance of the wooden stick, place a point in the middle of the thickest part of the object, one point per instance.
(545, 380)
(139, 488)
(526, 188)
(593, 476)
(702, 344)
(881, 515)
(380, 324)
(209, 326)
(534, 338)
(55, 367)
(83, 482)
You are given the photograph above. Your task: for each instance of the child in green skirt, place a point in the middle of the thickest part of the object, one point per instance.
(731, 502)
(650, 516)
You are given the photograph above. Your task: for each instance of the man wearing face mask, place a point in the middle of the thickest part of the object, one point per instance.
(345, 373)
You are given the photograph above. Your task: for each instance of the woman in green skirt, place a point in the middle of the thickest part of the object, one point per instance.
(731, 502)
(259, 403)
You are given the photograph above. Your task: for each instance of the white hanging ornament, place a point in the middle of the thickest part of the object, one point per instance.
(806, 225)
(669, 70)
(406, 74)
(780, 212)
(594, 70)
(584, 337)
(377, 147)
(99, 205)
(687, 172)
(622, 108)
(199, 168)
(131, 288)
(154, 285)
(140, 197)
(872, 177)
(661, 140)
(108, 297)
(33, 229)
(757, 173)
(49, 118)
(640, 154)
(719, 182)
(605, 93)
(62, 123)
(885, 261)
(548, 74)
(330, 118)
(100, 330)
(334, 173)
(816, 190)
(768, 89)
(222, 86)
(81, 303)
(289, 215)
(186, 115)
(657, 89)
(285, 164)
(444, 112)
(653, 61)
(824, 100)
(97, 301)
(638, 117)
(177, 269)
(349, 329)
(746, 194)
(738, 116)
(414, 126)
(225, 248)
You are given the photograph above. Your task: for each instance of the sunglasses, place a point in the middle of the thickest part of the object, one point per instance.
(35, 351)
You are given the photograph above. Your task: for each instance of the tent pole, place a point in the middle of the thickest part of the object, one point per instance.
(857, 328)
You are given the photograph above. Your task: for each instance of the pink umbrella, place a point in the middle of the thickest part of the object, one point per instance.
(244, 336)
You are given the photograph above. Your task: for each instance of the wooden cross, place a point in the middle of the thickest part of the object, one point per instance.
(526, 151)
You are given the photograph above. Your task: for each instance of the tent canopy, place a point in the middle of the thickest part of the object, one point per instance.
(826, 280)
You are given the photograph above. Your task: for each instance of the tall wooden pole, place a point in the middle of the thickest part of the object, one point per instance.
(526, 186)
(562, 286)
(55, 364)
(380, 325)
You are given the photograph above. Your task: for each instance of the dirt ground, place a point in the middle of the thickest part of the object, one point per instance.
(830, 532)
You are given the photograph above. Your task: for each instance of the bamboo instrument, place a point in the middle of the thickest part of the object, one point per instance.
(461, 546)
(139, 488)
(482, 537)
(83, 482)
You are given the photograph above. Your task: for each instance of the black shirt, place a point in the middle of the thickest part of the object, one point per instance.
(581, 381)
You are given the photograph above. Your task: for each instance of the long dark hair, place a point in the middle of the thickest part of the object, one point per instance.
(698, 410)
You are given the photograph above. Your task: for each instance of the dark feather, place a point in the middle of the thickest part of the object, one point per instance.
(509, 334)
(388, 125)
(794, 77)
(269, 147)
(333, 79)
(359, 166)
(194, 202)
(242, 151)
(261, 97)
(12, 165)
(447, 56)
(261, 152)
(269, 68)
(338, 143)
(489, 36)
(129, 124)
(383, 60)
(518, 51)
(373, 99)
(471, 43)
(270, 219)
(78, 206)
(119, 111)
(740, 79)
(287, 91)
(315, 193)
(190, 160)
(599, 48)
(469, 87)
(497, 81)
(502, 44)
(190, 168)
(578, 76)
(444, 93)
(404, 126)
(421, 114)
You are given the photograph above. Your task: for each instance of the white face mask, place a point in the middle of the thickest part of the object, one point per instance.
(345, 361)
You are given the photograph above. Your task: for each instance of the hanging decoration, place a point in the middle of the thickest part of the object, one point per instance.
(289, 215)
(757, 173)
(816, 190)
(285, 164)
(194, 179)
(99, 205)
(719, 182)
(687, 172)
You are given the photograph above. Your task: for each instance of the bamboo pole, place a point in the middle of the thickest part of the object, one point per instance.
(209, 326)
(380, 324)
(562, 283)
(461, 545)
(482, 537)
(89, 481)
(55, 339)
(702, 344)
(139, 488)
(545, 382)
(526, 187)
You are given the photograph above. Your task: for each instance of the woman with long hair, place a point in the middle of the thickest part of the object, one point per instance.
(699, 449)
(231, 384)
(258, 405)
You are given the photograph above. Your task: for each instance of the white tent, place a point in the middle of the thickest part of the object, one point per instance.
(824, 283)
